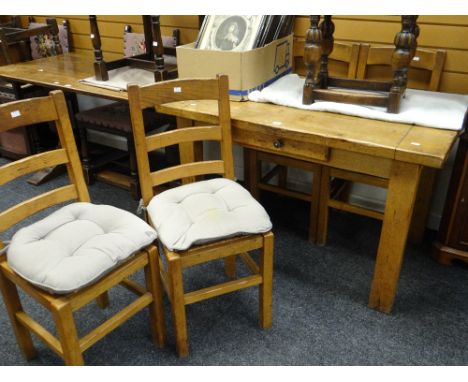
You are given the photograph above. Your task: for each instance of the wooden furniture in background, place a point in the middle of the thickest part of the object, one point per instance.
(68, 346)
(319, 45)
(452, 240)
(424, 72)
(106, 131)
(344, 58)
(227, 249)
(151, 60)
(15, 47)
(336, 183)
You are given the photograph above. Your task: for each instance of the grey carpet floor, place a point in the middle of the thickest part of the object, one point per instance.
(320, 314)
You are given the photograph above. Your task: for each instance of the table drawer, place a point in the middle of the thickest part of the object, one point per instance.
(283, 146)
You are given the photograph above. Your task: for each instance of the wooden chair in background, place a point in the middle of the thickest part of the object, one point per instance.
(217, 233)
(343, 62)
(375, 62)
(20, 44)
(91, 284)
(106, 131)
(152, 59)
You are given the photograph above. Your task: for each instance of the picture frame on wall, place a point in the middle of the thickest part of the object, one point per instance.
(230, 33)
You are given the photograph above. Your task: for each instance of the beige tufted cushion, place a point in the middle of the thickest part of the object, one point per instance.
(205, 211)
(76, 245)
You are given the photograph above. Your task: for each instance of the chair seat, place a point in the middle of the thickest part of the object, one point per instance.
(76, 245)
(116, 116)
(206, 211)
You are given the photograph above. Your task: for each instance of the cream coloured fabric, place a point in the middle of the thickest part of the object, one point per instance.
(419, 107)
(205, 211)
(76, 245)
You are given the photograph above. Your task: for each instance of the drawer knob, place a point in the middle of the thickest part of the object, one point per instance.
(278, 143)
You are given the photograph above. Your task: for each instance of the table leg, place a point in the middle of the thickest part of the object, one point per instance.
(189, 151)
(402, 190)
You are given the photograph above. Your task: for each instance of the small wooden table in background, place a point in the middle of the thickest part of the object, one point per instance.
(397, 152)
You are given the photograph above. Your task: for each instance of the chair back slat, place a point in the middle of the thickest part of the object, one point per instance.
(31, 206)
(155, 95)
(32, 163)
(191, 134)
(342, 61)
(52, 109)
(375, 62)
(186, 170)
(178, 90)
(26, 112)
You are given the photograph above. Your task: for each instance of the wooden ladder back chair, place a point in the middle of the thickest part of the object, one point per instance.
(62, 304)
(228, 245)
(343, 61)
(336, 184)
(10, 37)
(424, 73)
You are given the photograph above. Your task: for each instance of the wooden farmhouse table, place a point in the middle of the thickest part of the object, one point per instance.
(393, 151)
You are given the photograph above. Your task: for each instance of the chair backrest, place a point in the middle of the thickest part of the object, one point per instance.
(52, 108)
(134, 43)
(42, 45)
(342, 61)
(154, 95)
(10, 37)
(375, 63)
(13, 22)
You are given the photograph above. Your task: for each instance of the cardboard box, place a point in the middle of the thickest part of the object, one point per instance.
(247, 71)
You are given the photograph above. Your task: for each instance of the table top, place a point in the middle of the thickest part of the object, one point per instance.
(59, 72)
(414, 144)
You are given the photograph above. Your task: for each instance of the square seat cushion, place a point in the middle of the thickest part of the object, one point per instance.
(76, 245)
(206, 211)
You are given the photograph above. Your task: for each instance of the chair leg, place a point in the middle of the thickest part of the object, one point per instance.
(153, 284)
(251, 172)
(13, 305)
(135, 183)
(178, 304)
(322, 225)
(230, 266)
(103, 300)
(283, 177)
(67, 334)
(266, 287)
(315, 205)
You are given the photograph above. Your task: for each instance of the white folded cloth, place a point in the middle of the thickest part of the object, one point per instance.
(419, 107)
(121, 77)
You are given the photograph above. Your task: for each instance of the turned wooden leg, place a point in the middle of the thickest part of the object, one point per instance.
(327, 28)
(13, 306)
(67, 335)
(156, 309)
(312, 58)
(266, 287)
(177, 303)
(402, 189)
(405, 48)
(100, 70)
